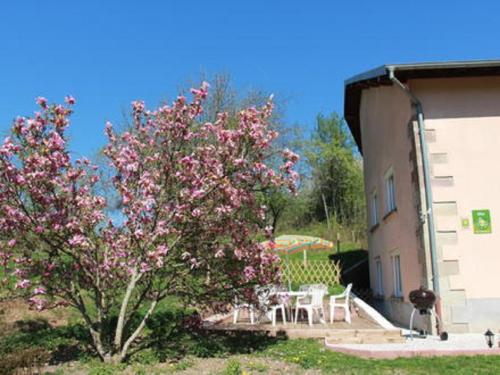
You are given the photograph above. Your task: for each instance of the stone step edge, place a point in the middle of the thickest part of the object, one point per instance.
(393, 354)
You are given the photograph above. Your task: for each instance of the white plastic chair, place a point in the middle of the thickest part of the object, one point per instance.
(264, 296)
(304, 287)
(311, 303)
(237, 307)
(307, 287)
(343, 305)
(252, 308)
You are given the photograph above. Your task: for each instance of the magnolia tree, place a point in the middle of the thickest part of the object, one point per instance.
(189, 222)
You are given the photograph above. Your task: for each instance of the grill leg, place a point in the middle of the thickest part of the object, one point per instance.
(411, 322)
(443, 335)
(437, 319)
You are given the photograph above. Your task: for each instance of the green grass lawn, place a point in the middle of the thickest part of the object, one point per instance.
(322, 254)
(310, 354)
(308, 357)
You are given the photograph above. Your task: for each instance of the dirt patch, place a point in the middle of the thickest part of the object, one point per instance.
(15, 315)
(250, 365)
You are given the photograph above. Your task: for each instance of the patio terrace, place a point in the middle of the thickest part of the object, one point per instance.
(361, 330)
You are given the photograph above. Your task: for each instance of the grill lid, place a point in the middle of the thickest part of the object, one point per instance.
(422, 298)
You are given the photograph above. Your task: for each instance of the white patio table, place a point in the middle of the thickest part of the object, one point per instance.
(292, 293)
(298, 294)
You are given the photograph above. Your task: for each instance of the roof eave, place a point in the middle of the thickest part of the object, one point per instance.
(379, 76)
(370, 74)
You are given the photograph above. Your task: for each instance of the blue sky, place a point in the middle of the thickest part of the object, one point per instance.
(108, 53)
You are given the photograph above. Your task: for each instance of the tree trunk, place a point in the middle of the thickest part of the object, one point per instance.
(123, 310)
(137, 332)
(275, 222)
(120, 353)
(326, 211)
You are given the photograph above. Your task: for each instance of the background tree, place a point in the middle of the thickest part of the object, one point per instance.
(226, 98)
(189, 224)
(337, 192)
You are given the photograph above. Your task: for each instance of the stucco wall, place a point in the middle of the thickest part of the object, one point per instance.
(386, 129)
(463, 122)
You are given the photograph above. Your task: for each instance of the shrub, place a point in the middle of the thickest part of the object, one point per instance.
(29, 359)
(62, 343)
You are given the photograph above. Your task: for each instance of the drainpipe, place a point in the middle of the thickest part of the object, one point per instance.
(427, 182)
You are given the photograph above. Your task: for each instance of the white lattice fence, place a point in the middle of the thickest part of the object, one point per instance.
(313, 272)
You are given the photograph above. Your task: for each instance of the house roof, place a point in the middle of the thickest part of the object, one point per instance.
(354, 86)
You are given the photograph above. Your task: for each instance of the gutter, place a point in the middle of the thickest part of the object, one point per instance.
(429, 215)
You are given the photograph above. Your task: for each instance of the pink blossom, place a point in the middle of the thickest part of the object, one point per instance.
(23, 284)
(18, 272)
(145, 267)
(197, 193)
(138, 106)
(249, 272)
(194, 263)
(268, 230)
(291, 156)
(162, 250)
(260, 166)
(56, 142)
(41, 101)
(20, 179)
(37, 303)
(39, 290)
(69, 100)
(77, 240)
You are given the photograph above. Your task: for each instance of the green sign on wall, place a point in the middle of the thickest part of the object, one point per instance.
(481, 221)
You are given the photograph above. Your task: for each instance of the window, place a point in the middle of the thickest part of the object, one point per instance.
(390, 193)
(379, 286)
(373, 209)
(396, 269)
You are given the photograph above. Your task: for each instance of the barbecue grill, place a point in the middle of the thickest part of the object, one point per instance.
(423, 301)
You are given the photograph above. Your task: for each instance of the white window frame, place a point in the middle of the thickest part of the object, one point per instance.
(396, 273)
(390, 191)
(379, 281)
(374, 219)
